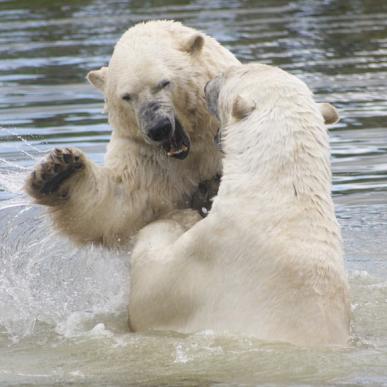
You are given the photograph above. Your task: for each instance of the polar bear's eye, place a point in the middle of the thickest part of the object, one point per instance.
(163, 84)
(127, 97)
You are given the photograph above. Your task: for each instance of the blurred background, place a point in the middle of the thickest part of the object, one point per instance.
(63, 309)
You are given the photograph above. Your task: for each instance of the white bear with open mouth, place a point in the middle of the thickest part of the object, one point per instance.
(267, 261)
(162, 142)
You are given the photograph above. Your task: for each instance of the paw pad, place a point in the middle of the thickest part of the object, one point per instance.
(48, 176)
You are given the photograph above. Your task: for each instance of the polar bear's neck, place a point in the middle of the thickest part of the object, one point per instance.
(277, 154)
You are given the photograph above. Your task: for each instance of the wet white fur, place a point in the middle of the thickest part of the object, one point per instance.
(138, 183)
(268, 260)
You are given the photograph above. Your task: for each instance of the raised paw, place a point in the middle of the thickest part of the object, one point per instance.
(48, 177)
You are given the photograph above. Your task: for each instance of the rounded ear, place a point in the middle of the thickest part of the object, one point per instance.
(98, 78)
(194, 44)
(242, 107)
(329, 113)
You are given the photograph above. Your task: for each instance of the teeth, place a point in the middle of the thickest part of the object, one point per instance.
(178, 151)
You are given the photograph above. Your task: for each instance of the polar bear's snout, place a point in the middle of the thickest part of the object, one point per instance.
(161, 131)
(160, 126)
(157, 125)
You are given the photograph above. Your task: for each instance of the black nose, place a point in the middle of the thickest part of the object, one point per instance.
(161, 131)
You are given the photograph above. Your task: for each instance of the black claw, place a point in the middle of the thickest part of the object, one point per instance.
(67, 158)
(64, 195)
(54, 171)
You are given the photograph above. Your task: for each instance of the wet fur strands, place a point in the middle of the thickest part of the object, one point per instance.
(267, 261)
(161, 147)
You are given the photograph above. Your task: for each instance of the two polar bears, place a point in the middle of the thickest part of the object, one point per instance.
(267, 260)
(161, 150)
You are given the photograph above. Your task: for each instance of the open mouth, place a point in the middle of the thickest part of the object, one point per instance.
(178, 145)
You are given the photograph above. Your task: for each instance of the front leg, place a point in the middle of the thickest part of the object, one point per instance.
(153, 240)
(160, 294)
(51, 180)
(88, 203)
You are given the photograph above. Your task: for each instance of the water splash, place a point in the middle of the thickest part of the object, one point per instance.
(25, 142)
(46, 281)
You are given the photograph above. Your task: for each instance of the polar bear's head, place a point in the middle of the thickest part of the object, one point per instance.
(153, 86)
(240, 90)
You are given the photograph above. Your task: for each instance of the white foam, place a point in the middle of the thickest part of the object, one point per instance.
(181, 356)
(44, 278)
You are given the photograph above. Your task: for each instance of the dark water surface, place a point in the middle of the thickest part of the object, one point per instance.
(62, 309)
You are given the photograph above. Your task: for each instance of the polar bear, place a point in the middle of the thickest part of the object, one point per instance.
(267, 261)
(161, 147)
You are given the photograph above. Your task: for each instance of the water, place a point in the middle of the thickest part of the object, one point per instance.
(63, 309)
